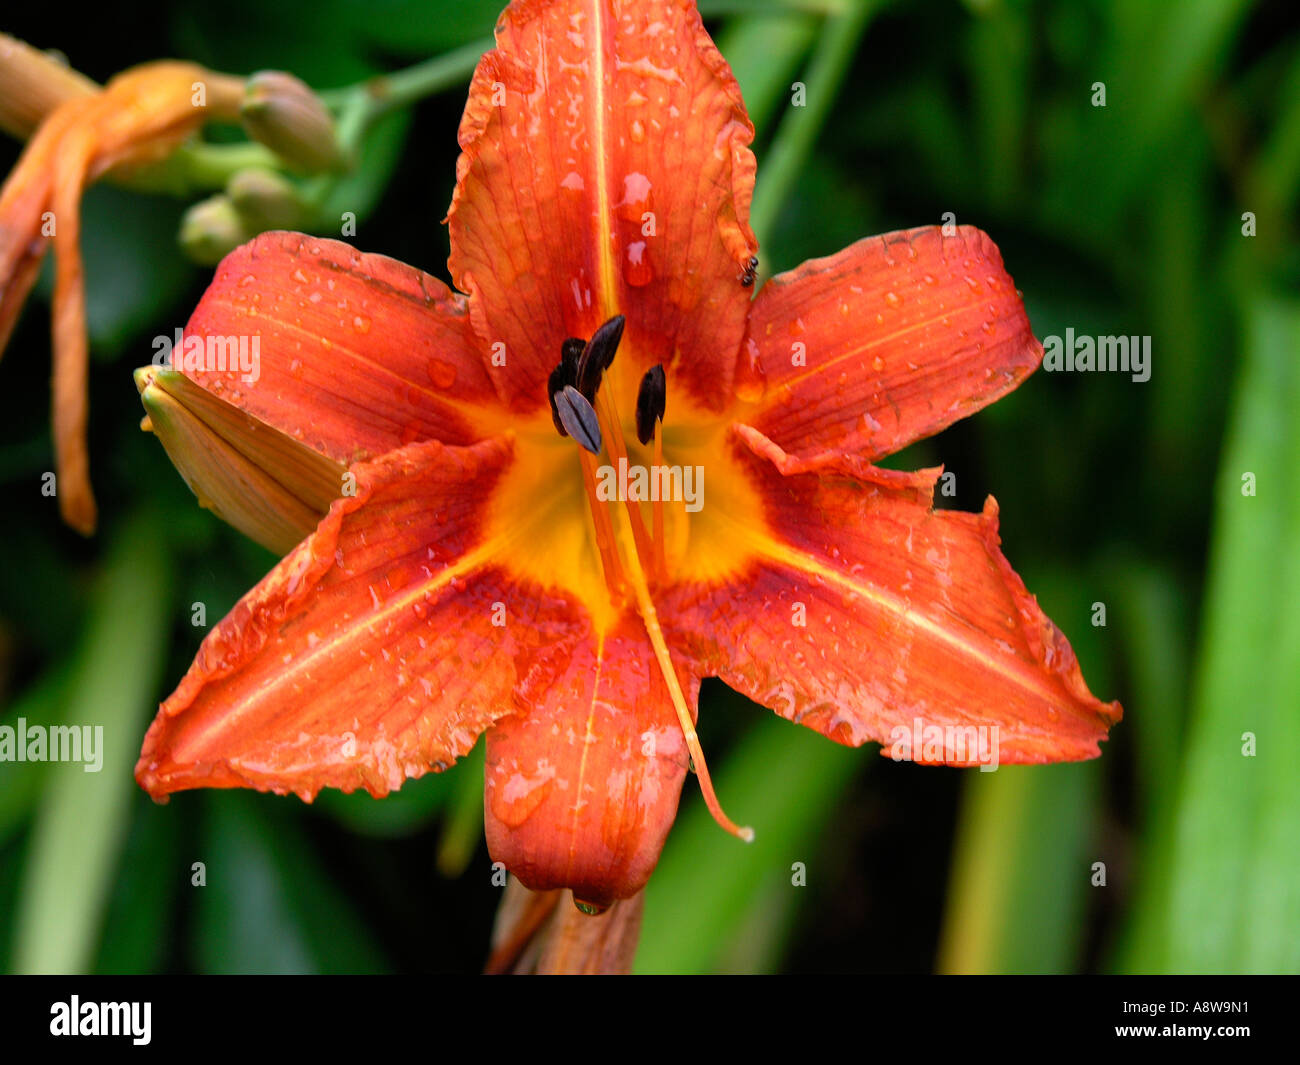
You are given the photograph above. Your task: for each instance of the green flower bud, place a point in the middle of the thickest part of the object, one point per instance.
(266, 200)
(211, 229)
(284, 114)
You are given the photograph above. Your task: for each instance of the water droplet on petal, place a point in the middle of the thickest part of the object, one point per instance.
(751, 380)
(591, 909)
(442, 374)
(637, 270)
(361, 323)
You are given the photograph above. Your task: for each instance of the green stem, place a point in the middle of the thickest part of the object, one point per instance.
(718, 8)
(198, 166)
(798, 131)
(388, 92)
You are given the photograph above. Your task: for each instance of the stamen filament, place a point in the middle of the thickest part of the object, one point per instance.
(657, 512)
(615, 579)
(611, 429)
(650, 618)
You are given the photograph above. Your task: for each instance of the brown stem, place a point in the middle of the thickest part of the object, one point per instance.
(544, 933)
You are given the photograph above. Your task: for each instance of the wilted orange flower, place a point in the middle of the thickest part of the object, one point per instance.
(138, 118)
(472, 578)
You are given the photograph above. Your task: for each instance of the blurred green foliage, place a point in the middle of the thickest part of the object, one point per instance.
(1118, 219)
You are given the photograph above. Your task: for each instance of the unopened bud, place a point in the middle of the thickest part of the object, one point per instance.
(266, 200)
(211, 229)
(269, 486)
(281, 112)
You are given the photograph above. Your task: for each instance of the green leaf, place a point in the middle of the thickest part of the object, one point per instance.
(21, 782)
(268, 904)
(1023, 858)
(764, 53)
(1020, 871)
(1233, 901)
(400, 813)
(711, 891)
(417, 27)
(797, 134)
(141, 908)
(81, 822)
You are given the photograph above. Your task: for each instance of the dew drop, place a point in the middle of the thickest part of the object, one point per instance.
(442, 374)
(751, 381)
(893, 299)
(591, 909)
(361, 324)
(637, 270)
(637, 131)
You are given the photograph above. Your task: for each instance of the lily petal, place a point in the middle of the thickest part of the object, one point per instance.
(356, 354)
(891, 340)
(864, 610)
(605, 170)
(366, 656)
(582, 784)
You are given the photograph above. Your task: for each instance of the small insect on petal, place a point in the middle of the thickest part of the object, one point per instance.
(578, 417)
(651, 400)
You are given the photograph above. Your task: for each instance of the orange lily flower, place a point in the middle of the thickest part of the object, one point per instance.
(476, 577)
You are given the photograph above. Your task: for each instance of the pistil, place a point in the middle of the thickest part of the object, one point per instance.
(583, 412)
(650, 618)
